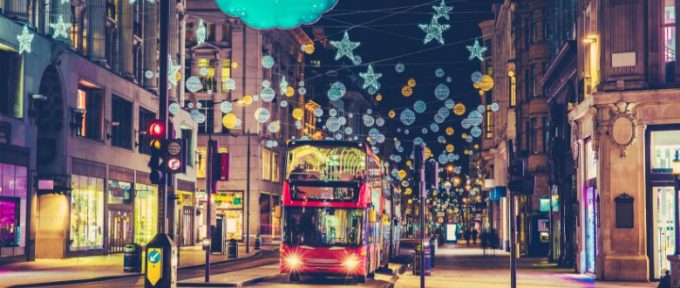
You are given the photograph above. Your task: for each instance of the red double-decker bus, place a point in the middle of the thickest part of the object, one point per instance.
(333, 211)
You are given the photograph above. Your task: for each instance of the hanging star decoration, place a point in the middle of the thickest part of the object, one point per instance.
(476, 51)
(172, 71)
(200, 32)
(25, 39)
(442, 11)
(346, 48)
(371, 78)
(434, 30)
(60, 28)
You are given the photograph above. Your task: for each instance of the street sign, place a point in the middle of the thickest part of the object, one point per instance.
(154, 264)
(174, 148)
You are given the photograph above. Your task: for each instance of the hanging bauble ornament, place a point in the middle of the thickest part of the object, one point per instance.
(229, 121)
(283, 104)
(439, 72)
(419, 106)
(434, 127)
(407, 91)
(391, 114)
(267, 94)
(290, 91)
(268, 61)
(336, 91)
(459, 109)
(450, 131)
(442, 92)
(476, 132)
(495, 107)
(368, 120)
(262, 115)
(333, 124)
(476, 77)
(449, 103)
(450, 148)
(407, 117)
(318, 112)
(298, 113)
(274, 126)
(379, 122)
(399, 67)
(302, 91)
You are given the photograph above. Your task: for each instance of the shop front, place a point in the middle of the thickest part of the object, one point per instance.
(13, 206)
(86, 230)
(146, 209)
(187, 212)
(662, 143)
(229, 214)
(119, 209)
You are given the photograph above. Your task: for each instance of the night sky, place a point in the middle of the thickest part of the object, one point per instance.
(389, 34)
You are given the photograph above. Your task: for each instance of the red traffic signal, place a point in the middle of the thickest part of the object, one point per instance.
(156, 129)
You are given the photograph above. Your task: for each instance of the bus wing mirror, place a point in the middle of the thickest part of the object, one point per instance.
(372, 216)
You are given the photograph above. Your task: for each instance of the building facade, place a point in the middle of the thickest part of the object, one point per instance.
(79, 113)
(229, 63)
(624, 136)
(499, 127)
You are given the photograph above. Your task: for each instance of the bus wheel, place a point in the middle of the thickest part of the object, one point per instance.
(361, 278)
(294, 277)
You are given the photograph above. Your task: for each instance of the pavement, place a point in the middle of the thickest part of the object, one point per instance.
(466, 266)
(91, 268)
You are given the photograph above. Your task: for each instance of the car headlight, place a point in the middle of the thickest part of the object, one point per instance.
(351, 262)
(293, 261)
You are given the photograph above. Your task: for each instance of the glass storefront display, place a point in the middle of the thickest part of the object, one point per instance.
(265, 214)
(13, 188)
(146, 213)
(230, 205)
(87, 213)
(276, 216)
(185, 208)
(120, 192)
(663, 145)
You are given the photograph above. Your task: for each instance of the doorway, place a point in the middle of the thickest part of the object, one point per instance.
(120, 228)
(590, 228)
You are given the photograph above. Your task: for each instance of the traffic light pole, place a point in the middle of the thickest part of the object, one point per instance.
(209, 182)
(163, 101)
(420, 189)
(513, 240)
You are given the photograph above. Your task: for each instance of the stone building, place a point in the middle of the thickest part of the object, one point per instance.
(560, 83)
(625, 133)
(531, 59)
(81, 103)
(229, 63)
(499, 127)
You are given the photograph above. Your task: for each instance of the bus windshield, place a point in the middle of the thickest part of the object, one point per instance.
(324, 191)
(323, 226)
(313, 163)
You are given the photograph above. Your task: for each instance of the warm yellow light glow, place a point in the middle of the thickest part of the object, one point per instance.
(676, 163)
(293, 262)
(411, 83)
(351, 263)
(590, 39)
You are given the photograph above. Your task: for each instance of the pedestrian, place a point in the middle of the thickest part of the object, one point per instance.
(474, 236)
(466, 235)
(665, 281)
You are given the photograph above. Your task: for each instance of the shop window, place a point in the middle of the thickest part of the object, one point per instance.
(89, 102)
(226, 74)
(9, 222)
(11, 78)
(121, 122)
(230, 205)
(87, 213)
(146, 213)
(120, 192)
(513, 89)
(664, 144)
(266, 165)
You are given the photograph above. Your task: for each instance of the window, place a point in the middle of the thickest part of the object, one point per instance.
(265, 214)
(205, 107)
(323, 226)
(211, 32)
(531, 82)
(146, 212)
(208, 79)
(533, 136)
(546, 134)
(226, 32)
(226, 74)
(188, 135)
(11, 76)
(9, 222)
(13, 191)
(669, 39)
(121, 122)
(547, 24)
(145, 118)
(266, 164)
(276, 172)
(201, 169)
(513, 90)
(489, 122)
(89, 103)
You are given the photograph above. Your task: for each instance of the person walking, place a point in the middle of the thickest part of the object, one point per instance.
(474, 236)
(466, 235)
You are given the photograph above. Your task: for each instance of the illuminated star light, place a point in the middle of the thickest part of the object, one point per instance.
(60, 28)
(346, 48)
(442, 11)
(476, 51)
(200, 32)
(434, 30)
(371, 78)
(25, 39)
(172, 71)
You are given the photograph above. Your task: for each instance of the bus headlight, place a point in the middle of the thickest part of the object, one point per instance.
(293, 261)
(351, 262)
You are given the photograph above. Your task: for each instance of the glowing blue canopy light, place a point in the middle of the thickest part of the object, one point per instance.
(281, 14)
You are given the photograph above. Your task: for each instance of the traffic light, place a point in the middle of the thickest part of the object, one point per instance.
(175, 160)
(220, 167)
(156, 131)
(519, 181)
